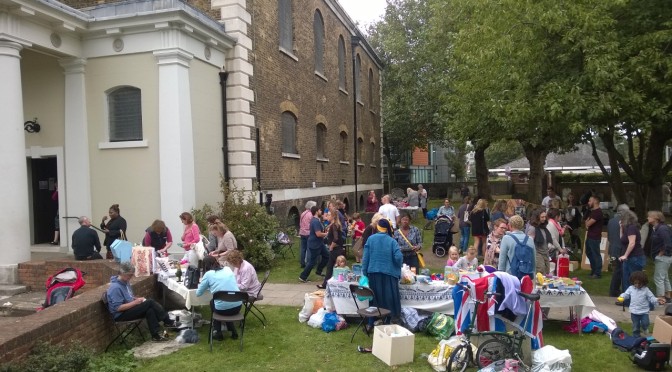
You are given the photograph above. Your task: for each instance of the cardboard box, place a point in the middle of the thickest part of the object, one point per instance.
(662, 329)
(393, 344)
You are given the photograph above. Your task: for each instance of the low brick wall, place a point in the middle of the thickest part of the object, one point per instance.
(82, 318)
(34, 274)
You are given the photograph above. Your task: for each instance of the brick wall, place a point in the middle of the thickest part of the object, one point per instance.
(34, 274)
(82, 318)
(283, 83)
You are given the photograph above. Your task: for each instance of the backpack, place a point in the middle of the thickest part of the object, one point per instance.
(522, 261)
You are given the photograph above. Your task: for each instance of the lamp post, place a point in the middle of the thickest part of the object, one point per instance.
(354, 42)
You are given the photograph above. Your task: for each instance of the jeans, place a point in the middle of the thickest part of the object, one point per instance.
(150, 310)
(594, 256)
(315, 254)
(465, 233)
(217, 325)
(631, 265)
(640, 323)
(661, 276)
(304, 249)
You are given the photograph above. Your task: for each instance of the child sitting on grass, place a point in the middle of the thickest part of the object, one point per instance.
(468, 262)
(341, 267)
(641, 302)
(453, 256)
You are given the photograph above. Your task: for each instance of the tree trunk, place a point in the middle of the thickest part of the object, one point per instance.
(537, 159)
(614, 175)
(656, 167)
(482, 184)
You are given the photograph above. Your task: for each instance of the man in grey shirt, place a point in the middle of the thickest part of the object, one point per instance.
(616, 286)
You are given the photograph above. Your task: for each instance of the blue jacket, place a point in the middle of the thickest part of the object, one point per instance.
(219, 280)
(382, 255)
(118, 293)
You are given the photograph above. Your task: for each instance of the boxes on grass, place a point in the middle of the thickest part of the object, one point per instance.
(393, 344)
(573, 265)
(662, 329)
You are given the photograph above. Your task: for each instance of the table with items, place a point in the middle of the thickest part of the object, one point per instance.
(435, 296)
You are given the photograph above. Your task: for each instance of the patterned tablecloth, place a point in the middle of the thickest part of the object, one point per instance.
(564, 298)
(434, 297)
(189, 295)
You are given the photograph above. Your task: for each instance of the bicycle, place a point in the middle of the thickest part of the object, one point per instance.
(501, 346)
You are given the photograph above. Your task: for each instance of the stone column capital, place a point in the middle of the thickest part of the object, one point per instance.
(173, 56)
(73, 65)
(10, 48)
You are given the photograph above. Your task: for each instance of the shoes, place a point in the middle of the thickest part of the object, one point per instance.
(320, 286)
(158, 338)
(217, 336)
(234, 336)
(109, 255)
(363, 349)
(55, 243)
(304, 280)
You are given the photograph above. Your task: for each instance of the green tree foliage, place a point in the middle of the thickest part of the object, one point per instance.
(503, 152)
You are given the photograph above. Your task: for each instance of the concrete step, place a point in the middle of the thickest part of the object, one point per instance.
(11, 289)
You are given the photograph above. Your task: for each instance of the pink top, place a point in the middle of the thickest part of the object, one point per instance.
(304, 223)
(192, 235)
(450, 262)
(246, 277)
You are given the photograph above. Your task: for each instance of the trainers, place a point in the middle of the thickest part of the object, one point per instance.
(304, 280)
(158, 338)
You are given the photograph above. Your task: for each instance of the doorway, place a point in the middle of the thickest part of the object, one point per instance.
(43, 179)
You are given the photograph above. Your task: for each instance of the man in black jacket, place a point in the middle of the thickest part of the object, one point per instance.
(85, 241)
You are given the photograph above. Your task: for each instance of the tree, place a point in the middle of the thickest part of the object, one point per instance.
(410, 97)
(503, 152)
(457, 159)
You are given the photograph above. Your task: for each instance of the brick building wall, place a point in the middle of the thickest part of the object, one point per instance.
(289, 83)
(34, 274)
(82, 318)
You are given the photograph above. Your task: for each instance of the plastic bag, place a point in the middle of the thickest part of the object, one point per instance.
(410, 318)
(439, 357)
(311, 304)
(550, 359)
(441, 326)
(317, 319)
(364, 282)
(329, 323)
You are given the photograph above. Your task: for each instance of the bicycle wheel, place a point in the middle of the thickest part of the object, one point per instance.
(491, 351)
(460, 358)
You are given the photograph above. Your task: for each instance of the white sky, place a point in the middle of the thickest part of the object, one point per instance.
(364, 12)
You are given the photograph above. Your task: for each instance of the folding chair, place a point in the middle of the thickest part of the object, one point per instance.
(369, 312)
(231, 296)
(259, 297)
(124, 328)
(283, 243)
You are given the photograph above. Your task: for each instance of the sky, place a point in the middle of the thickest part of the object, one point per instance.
(364, 12)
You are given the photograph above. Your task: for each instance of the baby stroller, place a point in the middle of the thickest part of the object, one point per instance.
(62, 286)
(442, 236)
(649, 356)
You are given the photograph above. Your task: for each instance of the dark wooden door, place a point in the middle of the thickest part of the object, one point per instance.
(43, 182)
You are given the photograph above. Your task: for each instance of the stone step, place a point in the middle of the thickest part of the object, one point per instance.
(12, 289)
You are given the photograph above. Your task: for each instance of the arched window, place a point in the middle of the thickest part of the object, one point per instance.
(371, 106)
(360, 150)
(321, 140)
(358, 78)
(285, 25)
(344, 146)
(341, 63)
(373, 153)
(289, 133)
(318, 33)
(125, 114)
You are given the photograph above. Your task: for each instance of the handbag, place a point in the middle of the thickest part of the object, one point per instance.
(421, 259)
(192, 278)
(121, 249)
(454, 228)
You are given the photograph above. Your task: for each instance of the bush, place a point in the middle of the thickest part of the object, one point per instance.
(252, 226)
(73, 357)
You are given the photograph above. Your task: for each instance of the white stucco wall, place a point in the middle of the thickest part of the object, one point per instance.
(125, 176)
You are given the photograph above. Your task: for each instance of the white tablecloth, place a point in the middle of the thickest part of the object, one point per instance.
(564, 298)
(189, 295)
(434, 297)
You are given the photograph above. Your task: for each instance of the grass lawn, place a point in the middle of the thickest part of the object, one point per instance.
(287, 345)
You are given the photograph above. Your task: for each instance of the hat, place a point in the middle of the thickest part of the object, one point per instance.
(383, 225)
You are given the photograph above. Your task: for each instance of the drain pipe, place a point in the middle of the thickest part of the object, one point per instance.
(225, 126)
(257, 144)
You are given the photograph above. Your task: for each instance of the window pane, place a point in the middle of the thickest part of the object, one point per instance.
(320, 133)
(285, 24)
(344, 146)
(371, 89)
(288, 133)
(125, 114)
(318, 32)
(341, 63)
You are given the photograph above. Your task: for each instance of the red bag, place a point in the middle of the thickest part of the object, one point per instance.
(563, 266)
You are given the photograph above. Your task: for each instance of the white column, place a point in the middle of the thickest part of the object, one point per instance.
(176, 144)
(77, 183)
(15, 220)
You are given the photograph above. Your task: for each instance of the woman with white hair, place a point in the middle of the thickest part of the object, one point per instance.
(304, 232)
(412, 197)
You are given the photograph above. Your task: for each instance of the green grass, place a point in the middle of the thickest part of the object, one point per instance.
(287, 345)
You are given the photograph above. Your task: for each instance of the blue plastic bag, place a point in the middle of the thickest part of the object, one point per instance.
(364, 282)
(330, 321)
(121, 249)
